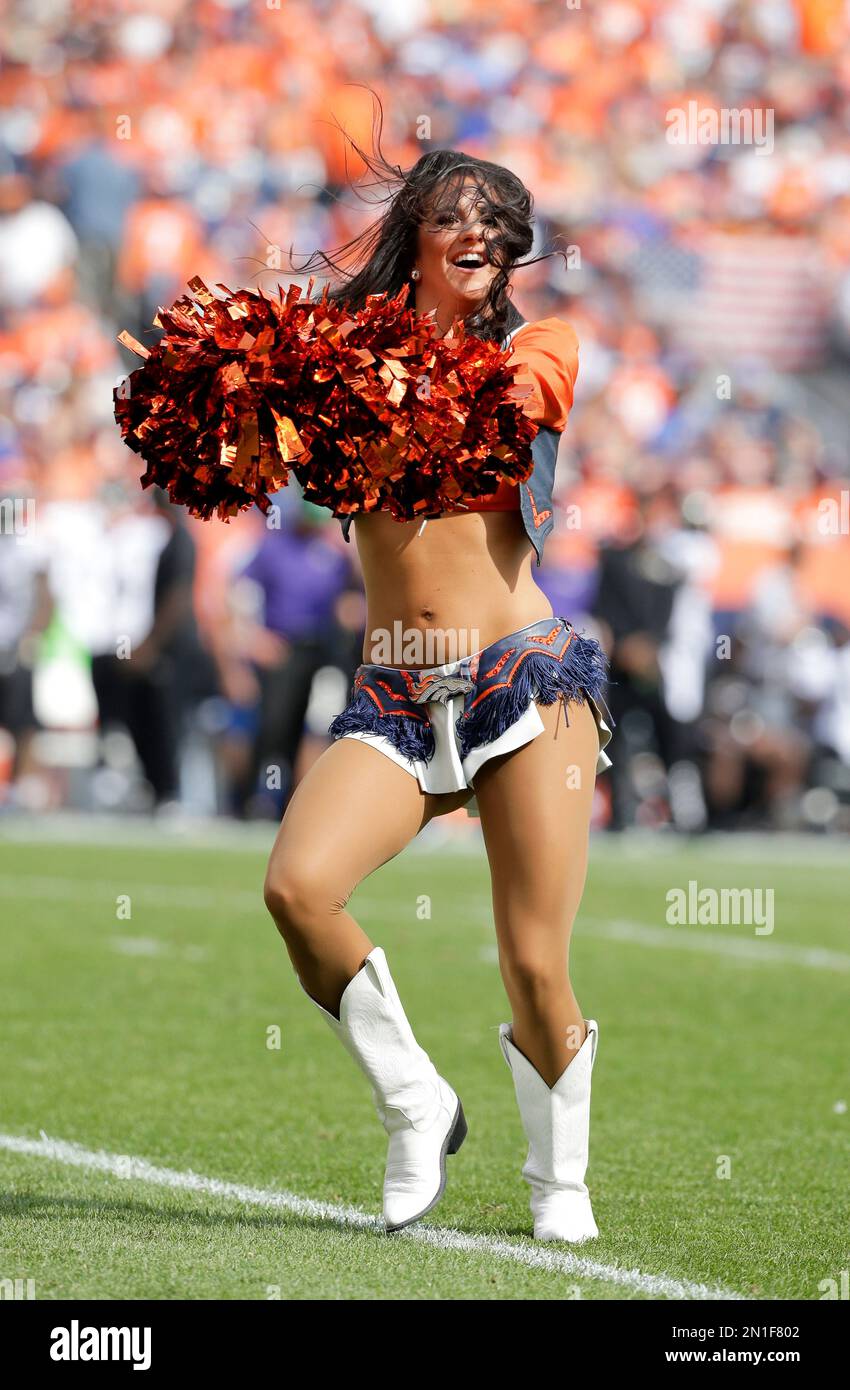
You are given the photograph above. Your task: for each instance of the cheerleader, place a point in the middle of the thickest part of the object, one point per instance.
(513, 730)
(447, 478)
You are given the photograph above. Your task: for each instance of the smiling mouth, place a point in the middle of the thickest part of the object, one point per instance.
(470, 260)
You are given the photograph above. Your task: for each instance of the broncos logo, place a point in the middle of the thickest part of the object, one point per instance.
(440, 687)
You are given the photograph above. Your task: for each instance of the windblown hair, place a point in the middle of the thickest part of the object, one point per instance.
(381, 258)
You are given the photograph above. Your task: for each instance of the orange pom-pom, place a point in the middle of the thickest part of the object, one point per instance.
(368, 409)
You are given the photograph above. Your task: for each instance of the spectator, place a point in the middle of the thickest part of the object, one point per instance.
(299, 576)
(708, 285)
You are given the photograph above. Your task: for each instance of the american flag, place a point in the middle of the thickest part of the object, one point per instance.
(759, 295)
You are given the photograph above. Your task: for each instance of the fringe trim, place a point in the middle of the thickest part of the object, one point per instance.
(411, 737)
(583, 671)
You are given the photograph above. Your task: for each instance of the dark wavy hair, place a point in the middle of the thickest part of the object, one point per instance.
(381, 258)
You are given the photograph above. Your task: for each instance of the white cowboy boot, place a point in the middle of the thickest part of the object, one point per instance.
(556, 1121)
(419, 1110)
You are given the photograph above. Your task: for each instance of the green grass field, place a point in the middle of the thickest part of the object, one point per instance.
(148, 1037)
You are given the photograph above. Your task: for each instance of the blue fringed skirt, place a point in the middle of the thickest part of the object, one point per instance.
(442, 724)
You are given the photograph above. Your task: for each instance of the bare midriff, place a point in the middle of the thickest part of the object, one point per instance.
(467, 576)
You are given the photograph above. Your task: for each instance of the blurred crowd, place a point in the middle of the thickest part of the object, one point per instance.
(703, 502)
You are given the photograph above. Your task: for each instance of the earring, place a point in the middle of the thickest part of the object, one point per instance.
(415, 274)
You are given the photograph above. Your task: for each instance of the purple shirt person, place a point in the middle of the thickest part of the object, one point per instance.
(301, 575)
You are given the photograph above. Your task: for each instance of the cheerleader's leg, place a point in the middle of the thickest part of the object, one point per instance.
(535, 805)
(354, 810)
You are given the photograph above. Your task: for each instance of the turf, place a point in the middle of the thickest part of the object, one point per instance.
(148, 1035)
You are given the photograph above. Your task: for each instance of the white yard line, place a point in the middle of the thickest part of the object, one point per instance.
(759, 950)
(532, 1256)
(180, 897)
(170, 895)
(754, 950)
(49, 888)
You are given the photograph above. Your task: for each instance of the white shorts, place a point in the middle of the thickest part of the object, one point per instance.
(441, 724)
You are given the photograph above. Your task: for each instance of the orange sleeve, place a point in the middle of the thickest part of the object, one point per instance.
(546, 357)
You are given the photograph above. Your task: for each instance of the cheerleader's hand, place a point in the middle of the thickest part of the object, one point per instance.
(240, 685)
(268, 648)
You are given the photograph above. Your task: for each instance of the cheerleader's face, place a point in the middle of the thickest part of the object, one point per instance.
(454, 253)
